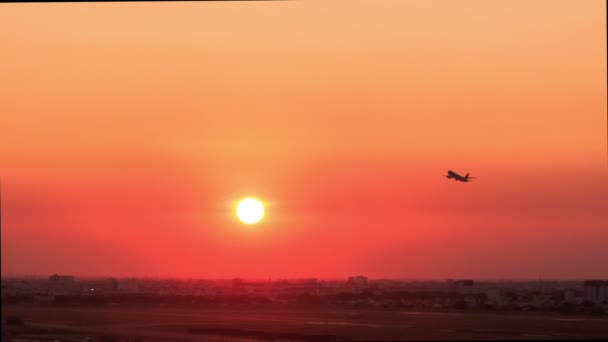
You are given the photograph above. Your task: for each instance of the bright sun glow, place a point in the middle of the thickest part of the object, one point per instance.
(250, 210)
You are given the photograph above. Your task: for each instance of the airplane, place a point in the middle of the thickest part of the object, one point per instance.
(457, 177)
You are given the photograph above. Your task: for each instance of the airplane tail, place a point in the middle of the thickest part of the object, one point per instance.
(467, 176)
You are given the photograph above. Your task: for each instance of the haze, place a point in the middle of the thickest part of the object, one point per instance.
(129, 129)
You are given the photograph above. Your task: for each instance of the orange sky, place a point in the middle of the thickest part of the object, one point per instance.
(129, 130)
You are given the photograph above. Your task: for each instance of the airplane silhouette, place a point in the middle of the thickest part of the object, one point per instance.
(457, 177)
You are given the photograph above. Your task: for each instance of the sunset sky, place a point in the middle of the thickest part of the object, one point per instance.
(130, 130)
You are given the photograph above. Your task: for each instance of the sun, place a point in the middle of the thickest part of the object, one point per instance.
(250, 210)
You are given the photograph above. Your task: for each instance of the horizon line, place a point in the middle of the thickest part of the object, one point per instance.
(278, 278)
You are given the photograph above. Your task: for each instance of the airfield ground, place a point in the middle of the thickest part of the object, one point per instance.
(231, 324)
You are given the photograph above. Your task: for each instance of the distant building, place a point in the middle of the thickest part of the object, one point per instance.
(128, 285)
(494, 295)
(61, 284)
(573, 296)
(64, 279)
(113, 284)
(308, 281)
(461, 282)
(461, 285)
(596, 291)
(357, 281)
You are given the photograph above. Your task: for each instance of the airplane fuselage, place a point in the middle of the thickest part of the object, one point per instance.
(457, 177)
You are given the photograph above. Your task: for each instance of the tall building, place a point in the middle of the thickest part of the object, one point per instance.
(596, 291)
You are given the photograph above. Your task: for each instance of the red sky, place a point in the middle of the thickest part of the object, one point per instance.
(129, 130)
